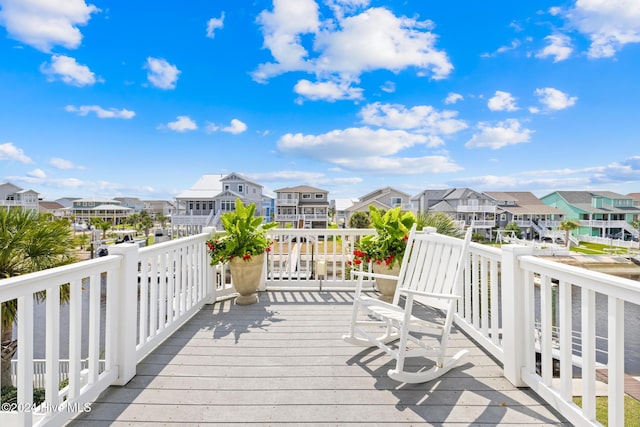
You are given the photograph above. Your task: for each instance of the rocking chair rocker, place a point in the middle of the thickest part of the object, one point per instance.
(431, 274)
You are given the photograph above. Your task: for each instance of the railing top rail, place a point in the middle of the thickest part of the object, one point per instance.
(321, 231)
(165, 246)
(26, 284)
(607, 284)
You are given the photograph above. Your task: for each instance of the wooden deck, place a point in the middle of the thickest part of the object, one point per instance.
(283, 362)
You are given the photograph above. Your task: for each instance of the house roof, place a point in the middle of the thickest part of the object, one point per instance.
(526, 203)
(50, 205)
(242, 177)
(344, 204)
(364, 205)
(301, 189)
(382, 191)
(583, 200)
(97, 200)
(206, 187)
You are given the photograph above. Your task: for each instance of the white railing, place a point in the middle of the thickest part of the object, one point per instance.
(515, 305)
(40, 370)
(309, 258)
(540, 295)
(480, 311)
(107, 297)
(476, 208)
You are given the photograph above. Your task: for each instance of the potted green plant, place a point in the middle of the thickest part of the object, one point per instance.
(385, 249)
(242, 244)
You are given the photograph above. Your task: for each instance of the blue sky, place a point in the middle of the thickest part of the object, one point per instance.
(120, 98)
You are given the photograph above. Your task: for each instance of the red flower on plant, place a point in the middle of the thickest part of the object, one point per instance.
(246, 257)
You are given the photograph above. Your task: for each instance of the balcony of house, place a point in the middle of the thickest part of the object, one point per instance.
(19, 204)
(152, 337)
(300, 217)
(288, 201)
(476, 208)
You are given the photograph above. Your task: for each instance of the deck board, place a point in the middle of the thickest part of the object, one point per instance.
(283, 362)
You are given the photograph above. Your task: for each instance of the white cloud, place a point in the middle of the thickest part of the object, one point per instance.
(559, 48)
(420, 118)
(581, 179)
(69, 71)
(37, 173)
(282, 29)
(236, 127)
(452, 98)
(59, 163)
(340, 49)
(8, 151)
(377, 39)
(111, 113)
(502, 49)
(553, 99)
(161, 74)
(388, 87)
(508, 132)
(328, 91)
(213, 24)
(182, 124)
(502, 101)
(366, 150)
(44, 24)
(609, 24)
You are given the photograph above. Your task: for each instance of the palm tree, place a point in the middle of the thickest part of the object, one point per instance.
(568, 225)
(28, 242)
(442, 222)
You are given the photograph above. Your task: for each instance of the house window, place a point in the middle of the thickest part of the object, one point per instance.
(306, 196)
(319, 196)
(503, 217)
(226, 187)
(240, 188)
(396, 201)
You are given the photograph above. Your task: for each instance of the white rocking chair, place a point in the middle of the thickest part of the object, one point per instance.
(431, 272)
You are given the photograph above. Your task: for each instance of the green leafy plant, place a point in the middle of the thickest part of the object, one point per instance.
(244, 235)
(390, 242)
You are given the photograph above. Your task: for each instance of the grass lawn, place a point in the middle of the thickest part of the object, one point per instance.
(631, 410)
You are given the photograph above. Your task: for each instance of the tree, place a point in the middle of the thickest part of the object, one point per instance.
(442, 222)
(636, 224)
(145, 223)
(359, 220)
(512, 226)
(162, 219)
(568, 225)
(28, 242)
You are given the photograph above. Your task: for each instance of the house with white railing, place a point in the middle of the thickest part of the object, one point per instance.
(383, 198)
(13, 196)
(535, 219)
(210, 197)
(111, 210)
(600, 213)
(302, 207)
(461, 204)
(554, 328)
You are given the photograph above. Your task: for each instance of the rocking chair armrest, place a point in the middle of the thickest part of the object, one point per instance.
(430, 294)
(374, 275)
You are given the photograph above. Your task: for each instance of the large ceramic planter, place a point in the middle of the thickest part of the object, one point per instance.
(386, 287)
(246, 276)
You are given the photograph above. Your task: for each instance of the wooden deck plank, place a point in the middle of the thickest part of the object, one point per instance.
(283, 362)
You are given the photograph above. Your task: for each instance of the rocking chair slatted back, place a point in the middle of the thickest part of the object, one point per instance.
(432, 264)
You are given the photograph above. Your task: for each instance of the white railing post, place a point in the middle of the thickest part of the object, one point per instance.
(210, 285)
(126, 311)
(513, 319)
